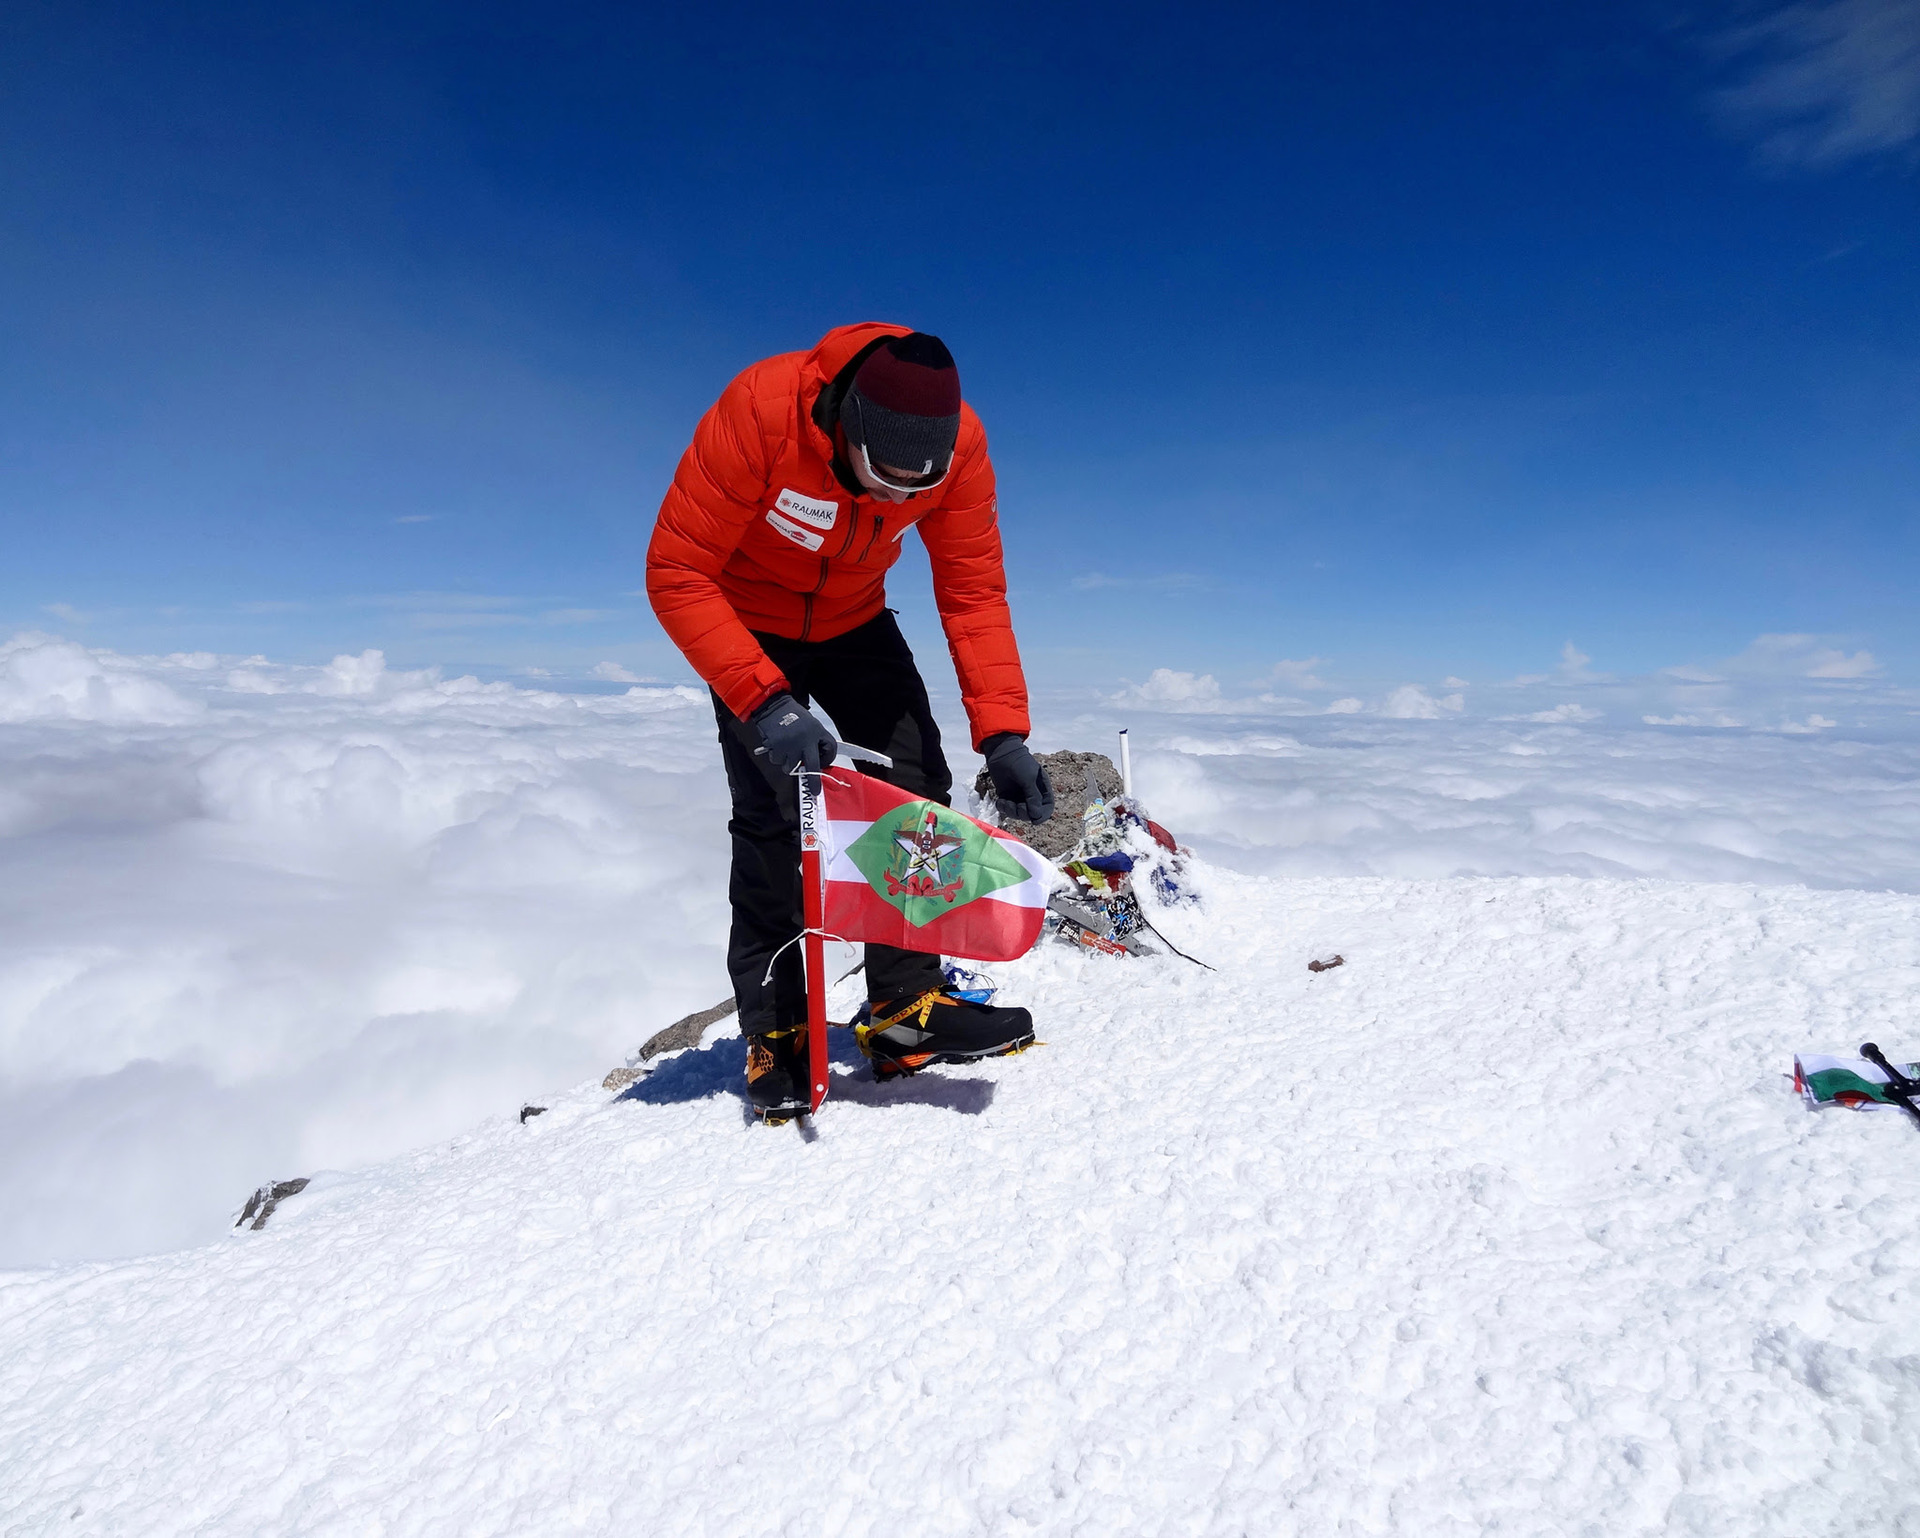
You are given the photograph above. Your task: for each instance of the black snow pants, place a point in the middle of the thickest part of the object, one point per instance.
(866, 683)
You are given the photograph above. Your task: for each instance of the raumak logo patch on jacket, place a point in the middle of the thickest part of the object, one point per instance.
(808, 510)
(806, 539)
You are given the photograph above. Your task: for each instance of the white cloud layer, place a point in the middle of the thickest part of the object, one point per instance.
(260, 919)
(43, 679)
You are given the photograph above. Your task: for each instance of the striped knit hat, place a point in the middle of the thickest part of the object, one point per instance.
(904, 406)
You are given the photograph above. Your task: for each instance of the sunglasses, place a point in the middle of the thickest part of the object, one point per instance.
(893, 485)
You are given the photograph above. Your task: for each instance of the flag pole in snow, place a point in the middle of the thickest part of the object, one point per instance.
(813, 879)
(1900, 1089)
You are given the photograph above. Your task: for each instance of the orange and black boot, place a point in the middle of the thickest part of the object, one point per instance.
(777, 1075)
(906, 1035)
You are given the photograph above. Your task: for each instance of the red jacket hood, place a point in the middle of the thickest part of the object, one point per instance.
(830, 354)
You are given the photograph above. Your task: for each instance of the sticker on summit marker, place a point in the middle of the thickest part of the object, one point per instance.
(808, 510)
(805, 538)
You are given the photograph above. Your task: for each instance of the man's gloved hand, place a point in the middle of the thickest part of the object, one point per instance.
(1020, 784)
(791, 735)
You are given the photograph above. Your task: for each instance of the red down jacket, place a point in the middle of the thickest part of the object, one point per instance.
(757, 532)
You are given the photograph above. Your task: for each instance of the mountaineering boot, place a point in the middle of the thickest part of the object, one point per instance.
(777, 1075)
(906, 1035)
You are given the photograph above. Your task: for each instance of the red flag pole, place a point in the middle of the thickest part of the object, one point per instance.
(813, 879)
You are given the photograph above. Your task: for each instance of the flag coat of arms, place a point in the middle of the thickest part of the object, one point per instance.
(902, 870)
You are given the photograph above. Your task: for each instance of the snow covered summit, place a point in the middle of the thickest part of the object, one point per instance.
(1509, 1224)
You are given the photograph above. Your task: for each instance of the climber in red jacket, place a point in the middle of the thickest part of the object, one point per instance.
(768, 569)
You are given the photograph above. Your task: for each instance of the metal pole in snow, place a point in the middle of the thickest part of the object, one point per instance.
(1126, 765)
(812, 879)
(813, 882)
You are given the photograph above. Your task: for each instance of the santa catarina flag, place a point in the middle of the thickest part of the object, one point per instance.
(910, 872)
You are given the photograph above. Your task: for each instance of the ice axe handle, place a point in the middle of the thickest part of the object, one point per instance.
(1900, 1089)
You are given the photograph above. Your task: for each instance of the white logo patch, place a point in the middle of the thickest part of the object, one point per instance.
(805, 538)
(807, 509)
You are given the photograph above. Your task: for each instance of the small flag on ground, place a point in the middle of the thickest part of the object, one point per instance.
(905, 871)
(1848, 1081)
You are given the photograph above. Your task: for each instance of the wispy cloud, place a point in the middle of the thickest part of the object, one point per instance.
(1805, 656)
(1837, 664)
(1568, 714)
(1168, 687)
(1718, 718)
(1826, 83)
(1410, 702)
(65, 611)
(463, 619)
(1165, 581)
(444, 602)
(1572, 670)
(416, 518)
(1297, 675)
(1573, 663)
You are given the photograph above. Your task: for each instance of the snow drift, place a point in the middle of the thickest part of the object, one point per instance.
(1512, 1223)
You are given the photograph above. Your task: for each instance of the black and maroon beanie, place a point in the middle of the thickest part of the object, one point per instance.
(904, 405)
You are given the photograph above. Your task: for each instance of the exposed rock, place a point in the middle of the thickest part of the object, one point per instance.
(1069, 773)
(260, 1205)
(684, 1032)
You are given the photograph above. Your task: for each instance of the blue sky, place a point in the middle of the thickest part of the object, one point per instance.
(1420, 340)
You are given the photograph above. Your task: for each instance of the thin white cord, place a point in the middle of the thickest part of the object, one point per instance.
(765, 981)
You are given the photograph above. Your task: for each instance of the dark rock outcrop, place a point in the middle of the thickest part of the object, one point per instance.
(1070, 773)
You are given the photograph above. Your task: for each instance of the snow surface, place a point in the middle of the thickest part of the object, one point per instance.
(1512, 1223)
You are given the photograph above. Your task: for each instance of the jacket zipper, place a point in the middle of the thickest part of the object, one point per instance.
(853, 532)
(806, 602)
(853, 528)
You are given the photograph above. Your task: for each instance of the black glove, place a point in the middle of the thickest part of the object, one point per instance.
(791, 735)
(1020, 784)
